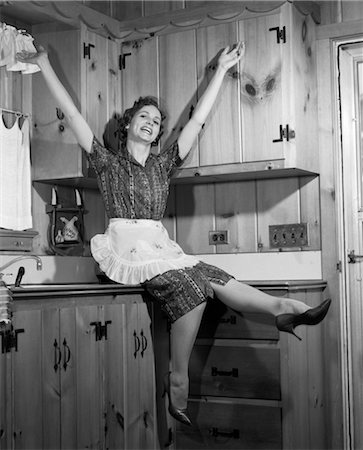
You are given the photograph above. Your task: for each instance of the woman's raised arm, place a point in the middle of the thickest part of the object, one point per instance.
(78, 124)
(227, 59)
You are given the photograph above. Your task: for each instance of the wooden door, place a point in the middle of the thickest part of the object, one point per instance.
(261, 88)
(102, 86)
(219, 141)
(27, 387)
(351, 91)
(140, 381)
(178, 85)
(114, 369)
(139, 70)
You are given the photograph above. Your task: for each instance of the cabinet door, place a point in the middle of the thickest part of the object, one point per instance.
(5, 400)
(140, 68)
(55, 152)
(141, 407)
(27, 381)
(219, 141)
(114, 376)
(261, 88)
(178, 85)
(101, 93)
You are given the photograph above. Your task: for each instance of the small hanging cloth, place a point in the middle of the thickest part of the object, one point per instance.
(5, 302)
(13, 41)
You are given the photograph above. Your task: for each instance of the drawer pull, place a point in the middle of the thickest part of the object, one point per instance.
(232, 320)
(224, 373)
(232, 434)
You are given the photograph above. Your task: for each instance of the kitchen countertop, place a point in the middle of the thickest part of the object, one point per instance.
(46, 290)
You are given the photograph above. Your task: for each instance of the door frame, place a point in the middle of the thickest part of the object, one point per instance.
(337, 46)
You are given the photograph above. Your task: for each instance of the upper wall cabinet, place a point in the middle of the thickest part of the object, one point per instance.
(88, 66)
(264, 122)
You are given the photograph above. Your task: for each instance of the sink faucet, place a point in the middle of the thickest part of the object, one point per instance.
(20, 258)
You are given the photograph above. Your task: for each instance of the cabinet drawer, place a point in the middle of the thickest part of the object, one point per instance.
(221, 322)
(17, 241)
(222, 425)
(248, 371)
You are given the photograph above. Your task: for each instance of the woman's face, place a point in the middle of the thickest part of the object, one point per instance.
(145, 124)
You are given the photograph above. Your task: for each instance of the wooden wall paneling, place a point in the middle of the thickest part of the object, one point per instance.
(277, 203)
(95, 220)
(351, 10)
(302, 383)
(160, 7)
(178, 87)
(140, 76)
(261, 89)
(126, 10)
(195, 217)
(97, 81)
(219, 141)
(309, 188)
(236, 212)
(102, 6)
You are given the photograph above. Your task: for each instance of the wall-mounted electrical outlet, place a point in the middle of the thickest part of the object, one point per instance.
(218, 237)
(289, 235)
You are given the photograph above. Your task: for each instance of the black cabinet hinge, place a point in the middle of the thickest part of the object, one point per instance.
(9, 339)
(122, 60)
(285, 133)
(280, 34)
(101, 330)
(87, 50)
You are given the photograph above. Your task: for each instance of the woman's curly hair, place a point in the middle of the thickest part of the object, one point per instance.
(129, 113)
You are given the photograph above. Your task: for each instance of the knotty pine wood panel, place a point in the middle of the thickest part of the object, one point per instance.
(219, 140)
(139, 78)
(235, 210)
(101, 6)
(245, 371)
(261, 89)
(352, 10)
(277, 203)
(309, 188)
(223, 425)
(126, 10)
(195, 217)
(178, 85)
(159, 7)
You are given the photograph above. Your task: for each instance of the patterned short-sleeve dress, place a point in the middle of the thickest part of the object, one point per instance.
(136, 248)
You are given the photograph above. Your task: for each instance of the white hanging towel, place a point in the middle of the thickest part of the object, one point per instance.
(15, 176)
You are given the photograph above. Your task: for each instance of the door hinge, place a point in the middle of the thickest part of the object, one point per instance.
(280, 34)
(285, 133)
(87, 50)
(122, 60)
(9, 339)
(101, 330)
(339, 266)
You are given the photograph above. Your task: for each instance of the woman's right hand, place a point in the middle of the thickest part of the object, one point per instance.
(33, 57)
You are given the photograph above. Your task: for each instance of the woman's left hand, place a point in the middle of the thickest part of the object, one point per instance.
(228, 58)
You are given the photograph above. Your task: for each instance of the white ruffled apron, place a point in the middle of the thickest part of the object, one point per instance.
(132, 251)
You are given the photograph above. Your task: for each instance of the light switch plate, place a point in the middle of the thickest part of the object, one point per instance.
(289, 235)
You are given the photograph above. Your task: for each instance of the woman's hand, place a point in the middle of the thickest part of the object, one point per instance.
(228, 58)
(33, 57)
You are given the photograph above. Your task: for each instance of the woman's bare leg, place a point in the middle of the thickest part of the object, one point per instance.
(182, 337)
(244, 298)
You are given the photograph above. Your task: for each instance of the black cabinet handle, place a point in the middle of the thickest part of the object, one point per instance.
(137, 343)
(229, 434)
(223, 373)
(67, 354)
(143, 343)
(57, 355)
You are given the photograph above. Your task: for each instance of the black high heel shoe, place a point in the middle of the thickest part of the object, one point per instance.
(287, 322)
(179, 414)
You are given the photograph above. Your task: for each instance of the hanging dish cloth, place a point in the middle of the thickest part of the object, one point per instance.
(13, 41)
(15, 177)
(5, 301)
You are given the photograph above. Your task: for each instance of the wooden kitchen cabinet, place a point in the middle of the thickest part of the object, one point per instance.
(88, 66)
(264, 123)
(81, 374)
(252, 387)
